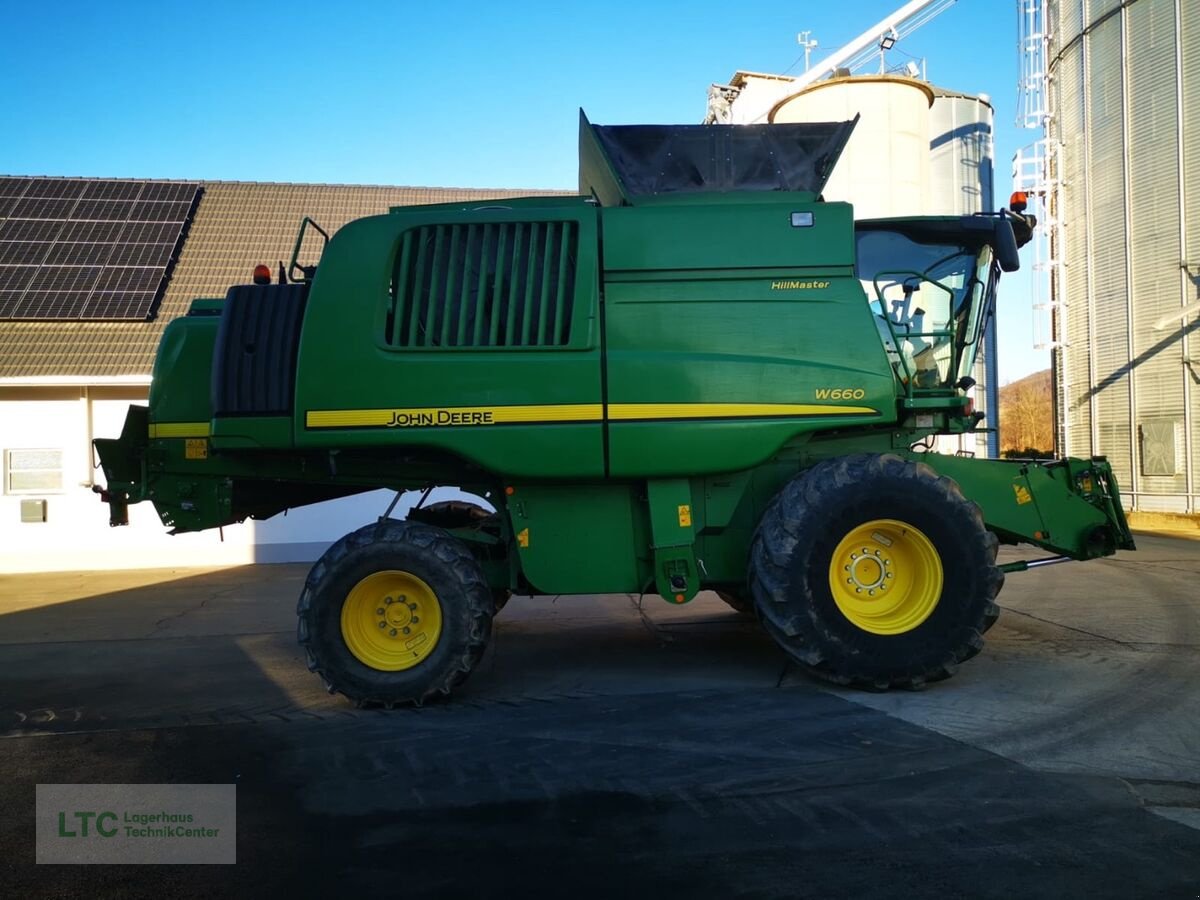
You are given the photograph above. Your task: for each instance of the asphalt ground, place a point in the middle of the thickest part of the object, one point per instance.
(608, 746)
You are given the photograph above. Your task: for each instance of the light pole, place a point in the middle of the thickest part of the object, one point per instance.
(803, 40)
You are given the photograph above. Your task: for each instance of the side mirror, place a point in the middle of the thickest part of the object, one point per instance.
(1004, 243)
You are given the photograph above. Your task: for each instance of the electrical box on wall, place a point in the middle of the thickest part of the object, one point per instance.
(33, 510)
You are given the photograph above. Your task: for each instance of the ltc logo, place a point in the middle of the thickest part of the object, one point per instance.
(83, 820)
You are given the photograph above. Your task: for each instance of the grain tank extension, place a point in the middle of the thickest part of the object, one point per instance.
(694, 375)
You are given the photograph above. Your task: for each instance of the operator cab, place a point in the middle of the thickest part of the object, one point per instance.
(931, 283)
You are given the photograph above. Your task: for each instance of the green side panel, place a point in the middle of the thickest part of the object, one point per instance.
(180, 389)
(666, 448)
(523, 411)
(210, 306)
(1068, 506)
(712, 313)
(722, 494)
(251, 432)
(728, 236)
(580, 539)
(727, 512)
(671, 512)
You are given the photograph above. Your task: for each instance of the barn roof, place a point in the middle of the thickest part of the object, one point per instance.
(236, 225)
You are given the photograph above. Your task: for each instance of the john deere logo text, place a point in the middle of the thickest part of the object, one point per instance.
(840, 393)
(799, 285)
(402, 418)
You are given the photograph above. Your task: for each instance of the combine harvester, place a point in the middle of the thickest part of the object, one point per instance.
(695, 375)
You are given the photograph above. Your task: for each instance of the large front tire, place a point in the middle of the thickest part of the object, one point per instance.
(872, 570)
(395, 613)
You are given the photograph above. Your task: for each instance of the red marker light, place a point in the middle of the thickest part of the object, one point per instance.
(262, 274)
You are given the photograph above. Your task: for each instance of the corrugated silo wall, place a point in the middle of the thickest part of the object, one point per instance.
(1129, 206)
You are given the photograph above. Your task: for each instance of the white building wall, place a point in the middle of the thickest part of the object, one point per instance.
(76, 534)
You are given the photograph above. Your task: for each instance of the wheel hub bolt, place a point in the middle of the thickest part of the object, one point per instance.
(387, 600)
(379, 612)
(392, 632)
(383, 624)
(406, 631)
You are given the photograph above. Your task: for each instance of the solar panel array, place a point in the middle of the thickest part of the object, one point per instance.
(89, 249)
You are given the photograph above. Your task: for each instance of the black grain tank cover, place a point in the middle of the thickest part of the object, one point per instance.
(620, 163)
(254, 361)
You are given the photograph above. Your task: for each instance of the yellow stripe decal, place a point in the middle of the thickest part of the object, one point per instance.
(178, 429)
(432, 417)
(426, 417)
(626, 411)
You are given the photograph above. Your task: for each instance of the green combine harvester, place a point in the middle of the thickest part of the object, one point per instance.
(695, 375)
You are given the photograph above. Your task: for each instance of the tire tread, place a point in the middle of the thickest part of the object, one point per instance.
(789, 518)
(456, 560)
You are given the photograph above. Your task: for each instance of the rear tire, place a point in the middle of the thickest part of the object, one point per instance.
(903, 609)
(452, 514)
(368, 575)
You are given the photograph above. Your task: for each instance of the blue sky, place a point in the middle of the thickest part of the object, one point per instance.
(453, 94)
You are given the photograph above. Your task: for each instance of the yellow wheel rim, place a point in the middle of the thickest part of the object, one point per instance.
(391, 620)
(886, 577)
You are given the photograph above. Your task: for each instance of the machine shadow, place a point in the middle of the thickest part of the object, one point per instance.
(219, 647)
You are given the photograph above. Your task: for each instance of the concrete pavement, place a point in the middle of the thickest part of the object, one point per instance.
(610, 745)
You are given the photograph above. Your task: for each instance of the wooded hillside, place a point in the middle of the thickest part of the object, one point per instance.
(1026, 416)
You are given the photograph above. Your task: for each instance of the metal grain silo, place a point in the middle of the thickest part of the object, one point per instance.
(1124, 81)
(884, 169)
(961, 157)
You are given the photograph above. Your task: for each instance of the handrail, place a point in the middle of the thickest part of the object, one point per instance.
(306, 272)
